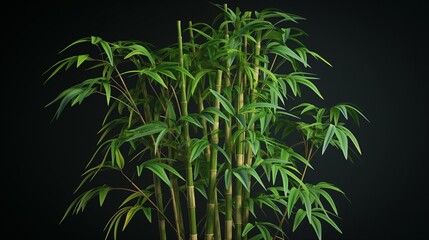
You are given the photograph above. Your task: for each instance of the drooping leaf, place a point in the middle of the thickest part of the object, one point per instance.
(247, 229)
(226, 104)
(328, 137)
(102, 194)
(299, 216)
(342, 139)
(106, 47)
(317, 226)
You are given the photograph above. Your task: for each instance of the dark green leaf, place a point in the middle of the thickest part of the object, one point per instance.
(226, 104)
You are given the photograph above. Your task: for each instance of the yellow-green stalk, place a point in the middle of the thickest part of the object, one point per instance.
(190, 189)
(254, 92)
(211, 215)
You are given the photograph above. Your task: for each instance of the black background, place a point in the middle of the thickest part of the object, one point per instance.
(378, 50)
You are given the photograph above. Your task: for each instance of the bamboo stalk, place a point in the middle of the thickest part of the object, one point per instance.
(239, 157)
(228, 150)
(249, 154)
(157, 182)
(190, 189)
(160, 205)
(211, 215)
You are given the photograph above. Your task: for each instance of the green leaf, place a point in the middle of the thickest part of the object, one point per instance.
(140, 50)
(148, 213)
(197, 79)
(102, 194)
(130, 214)
(197, 148)
(107, 90)
(352, 137)
(247, 229)
(327, 219)
(299, 216)
(317, 226)
(159, 139)
(252, 107)
(81, 59)
(310, 85)
(155, 76)
(264, 231)
(226, 104)
(119, 159)
(242, 175)
(228, 177)
(159, 171)
(83, 40)
(108, 51)
(343, 142)
(292, 199)
(328, 137)
(191, 119)
(285, 180)
(329, 200)
(253, 172)
(217, 112)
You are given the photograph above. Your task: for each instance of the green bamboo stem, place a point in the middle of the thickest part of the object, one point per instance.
(239, 157)
(157, 182)
(253, 98)
(190, 189)
(228, 150)
(160, 205)
(175, 196)
(211, 215)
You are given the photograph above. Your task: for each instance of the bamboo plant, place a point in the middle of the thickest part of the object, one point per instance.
(213, 122)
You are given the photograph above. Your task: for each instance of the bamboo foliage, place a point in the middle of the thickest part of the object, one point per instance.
(209, 122)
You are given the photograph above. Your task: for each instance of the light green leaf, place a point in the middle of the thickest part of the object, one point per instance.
(247, 229)
(292, 199)
(217, 112)
(264, 231)
(228, 177)
(81, 59)
(159, 171)
(108, 51)
(159, 139)
(327, 219)
(317, 226)
(102, 194)
(285, 180)
(197, 148)
(342, 139)
(299, 216)
(155, 76)
(352, 137)
(107, 90)
(328, 137)
(119, 159)
(130, 214)
(309, 85)
(191, 119)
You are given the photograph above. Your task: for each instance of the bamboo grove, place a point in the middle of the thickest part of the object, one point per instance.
(208, 135)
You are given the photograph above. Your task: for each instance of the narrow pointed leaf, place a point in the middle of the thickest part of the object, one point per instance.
(328, 137)
(226, 104)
